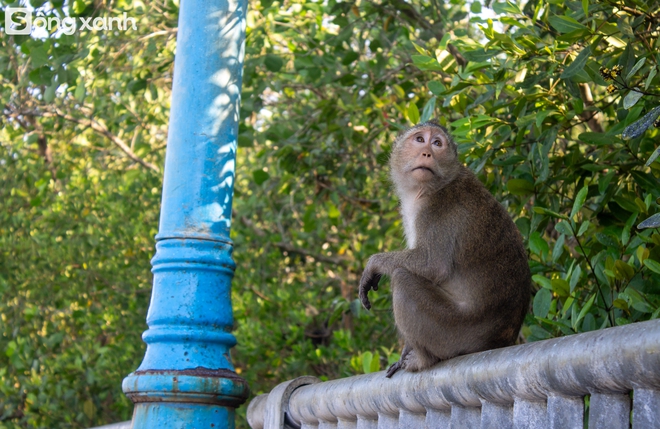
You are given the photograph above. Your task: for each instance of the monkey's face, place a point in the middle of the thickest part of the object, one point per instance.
(423, 155)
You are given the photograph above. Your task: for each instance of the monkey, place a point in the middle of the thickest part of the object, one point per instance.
(463, 284)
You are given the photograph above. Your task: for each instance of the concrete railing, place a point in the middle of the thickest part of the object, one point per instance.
(538, 385)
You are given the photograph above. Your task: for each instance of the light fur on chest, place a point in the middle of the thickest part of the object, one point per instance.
(410, 207)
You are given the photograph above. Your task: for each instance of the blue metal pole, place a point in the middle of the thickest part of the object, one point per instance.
(186, 379)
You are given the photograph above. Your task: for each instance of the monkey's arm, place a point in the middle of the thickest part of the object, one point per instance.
(416, 261)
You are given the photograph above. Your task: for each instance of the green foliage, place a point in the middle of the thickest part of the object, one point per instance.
(553, 105)
(82, 133)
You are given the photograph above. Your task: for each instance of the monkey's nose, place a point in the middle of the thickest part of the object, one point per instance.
(426, 155)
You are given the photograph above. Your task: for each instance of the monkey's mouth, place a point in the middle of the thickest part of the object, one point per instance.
(424, 168)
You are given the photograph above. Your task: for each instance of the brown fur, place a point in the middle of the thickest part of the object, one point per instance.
(463, 285)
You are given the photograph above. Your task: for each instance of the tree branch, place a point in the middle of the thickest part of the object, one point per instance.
(289, 247)
(102, 130)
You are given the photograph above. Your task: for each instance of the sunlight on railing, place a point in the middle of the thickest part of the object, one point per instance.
(547, 384)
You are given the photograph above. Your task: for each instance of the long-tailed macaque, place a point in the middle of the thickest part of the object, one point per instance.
(463, 284)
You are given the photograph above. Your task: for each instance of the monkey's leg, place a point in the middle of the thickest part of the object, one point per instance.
(423, 312)
(386, 263)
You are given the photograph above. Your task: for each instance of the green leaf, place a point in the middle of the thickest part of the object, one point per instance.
(565, 24)
(542, 281)
(375, 363)
(260, 176)
(605, 181)
(538, 333)
(506, 8)
(575, 278)
(638, 301)
(39, 56)
(540, 116)
(652, 265)
(631, 98)
(598, 139)
(585, 7)
(560, 287)
(475, 7)
(651, 222)
(333, 211)
(589, 323)
(49, 94)
(79, 93)
(89, 408)
(635, 69)
(583, 228)
(367, 358)
(620, 304)
(574, 36)
(427, 111)
(637, 128)
(578, 106)
(579, 201)
(625, 233)
(606, 240)
(413, 113)
(578, 63)
(520, 186)
(309, 219)
(511, 160)
(558, 248)
(350, 57)
(653, 157)
(623, 271)
(564, 228)
(424, 62)
(339, 310)
(650, 77)
(625, 28)
(542, 302)
(480, 54)
(593, 167)
(542, 210)
(436, 87)
(419, 49)
(584, 311)
(537, 244)
(79, 6)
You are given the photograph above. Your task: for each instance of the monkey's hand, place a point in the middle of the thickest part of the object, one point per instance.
(369, 280)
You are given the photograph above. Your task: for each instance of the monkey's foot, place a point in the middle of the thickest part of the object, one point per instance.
(394, 368)
(402, 363)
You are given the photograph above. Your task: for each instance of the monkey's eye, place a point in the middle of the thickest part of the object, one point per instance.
(437, 143)
(420, 139)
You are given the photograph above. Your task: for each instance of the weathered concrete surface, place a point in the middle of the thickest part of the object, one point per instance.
(565, 412)
(529, 414)
(535, 385)
(646, 403)
(610, 411)
(496, 416)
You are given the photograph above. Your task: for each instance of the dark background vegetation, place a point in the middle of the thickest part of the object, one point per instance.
(327, 86)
